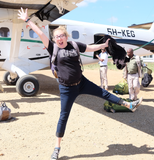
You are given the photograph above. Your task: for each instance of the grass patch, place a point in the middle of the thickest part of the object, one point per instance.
(91, 66)
(111, 66)
(96, 66)
(150, 65)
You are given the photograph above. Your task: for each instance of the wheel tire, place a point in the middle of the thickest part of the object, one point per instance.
(7, 79)
(27, 86)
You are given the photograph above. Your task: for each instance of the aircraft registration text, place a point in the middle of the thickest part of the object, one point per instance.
(123, 33)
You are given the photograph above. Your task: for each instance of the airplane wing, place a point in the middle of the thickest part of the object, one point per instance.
(49, 10)
(142, 26)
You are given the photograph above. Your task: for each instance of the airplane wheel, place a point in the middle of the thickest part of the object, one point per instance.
(27, 86)
(8, 80)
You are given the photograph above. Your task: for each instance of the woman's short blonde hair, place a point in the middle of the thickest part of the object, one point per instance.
(62, 28)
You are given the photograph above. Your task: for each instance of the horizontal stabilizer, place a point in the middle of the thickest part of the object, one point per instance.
(152, 27)
(141, 26)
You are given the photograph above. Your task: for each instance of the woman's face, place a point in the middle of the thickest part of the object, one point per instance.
(60, 38)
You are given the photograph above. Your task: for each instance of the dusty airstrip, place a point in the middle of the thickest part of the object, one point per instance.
(91, 134)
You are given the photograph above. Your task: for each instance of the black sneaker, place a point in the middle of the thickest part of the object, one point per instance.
(55, 154)
(135, 104)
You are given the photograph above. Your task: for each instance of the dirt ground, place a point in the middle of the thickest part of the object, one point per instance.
(91, 133)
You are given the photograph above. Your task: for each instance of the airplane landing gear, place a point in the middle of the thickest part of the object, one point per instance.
(27, 86)
(8, 80)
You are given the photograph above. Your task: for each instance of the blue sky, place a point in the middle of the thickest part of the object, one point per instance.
(121, 13)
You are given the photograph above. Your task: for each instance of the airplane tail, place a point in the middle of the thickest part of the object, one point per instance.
(152, 27)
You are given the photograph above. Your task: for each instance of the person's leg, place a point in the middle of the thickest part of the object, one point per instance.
(101, 77)
(136, 86)
(58, 142)
(67, 96)
(105, 78)
(130, 79)
(88, 87)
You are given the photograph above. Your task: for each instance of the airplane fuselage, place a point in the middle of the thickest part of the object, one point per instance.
(32, 48)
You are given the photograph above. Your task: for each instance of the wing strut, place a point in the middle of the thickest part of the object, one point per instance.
(15, 40)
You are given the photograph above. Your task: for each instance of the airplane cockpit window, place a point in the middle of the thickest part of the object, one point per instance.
(22, 33)
(32, 34)
(4, 32)
(75, 34)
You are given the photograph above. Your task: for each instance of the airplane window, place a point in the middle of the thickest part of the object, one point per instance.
(4, 32)
(150, 56)
(22, 33)
(1, 33)
(32, 34)
(75, 34)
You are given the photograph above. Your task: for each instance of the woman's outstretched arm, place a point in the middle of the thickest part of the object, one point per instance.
(24, 16)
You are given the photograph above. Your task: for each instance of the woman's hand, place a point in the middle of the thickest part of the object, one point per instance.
(107, 42)
(23, 15)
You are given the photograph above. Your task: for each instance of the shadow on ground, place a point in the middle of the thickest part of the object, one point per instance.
(142, 119)
(115, 149)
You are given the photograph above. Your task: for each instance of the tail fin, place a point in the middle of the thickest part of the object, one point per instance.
(152, 27)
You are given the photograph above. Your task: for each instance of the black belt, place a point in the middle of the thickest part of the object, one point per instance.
(132, 73)
(104, 66)
(73, 84)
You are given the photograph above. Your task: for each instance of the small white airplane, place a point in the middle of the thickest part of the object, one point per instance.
(22, 52)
